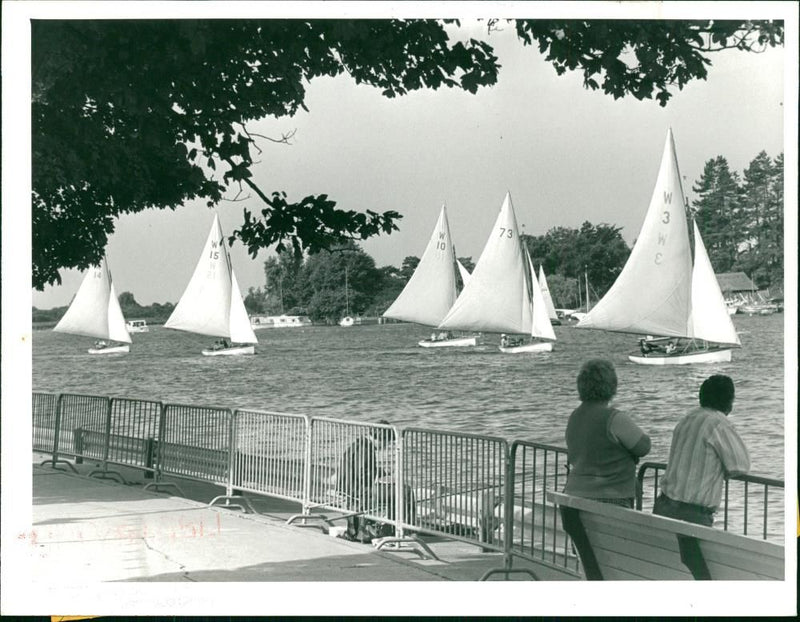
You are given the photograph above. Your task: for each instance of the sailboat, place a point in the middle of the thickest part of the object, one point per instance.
(431, 290)
(347, 320)
(502, 294)
(661, 293)
(95, 312)
(548, 300)
(212, 303)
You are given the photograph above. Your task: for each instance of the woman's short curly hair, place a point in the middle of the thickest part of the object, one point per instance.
(597, 381)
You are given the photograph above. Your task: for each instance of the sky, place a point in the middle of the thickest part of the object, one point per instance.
(565, 154)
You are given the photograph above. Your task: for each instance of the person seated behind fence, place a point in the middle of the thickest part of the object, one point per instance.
(705, 449)
(603, 444)
(356, 475)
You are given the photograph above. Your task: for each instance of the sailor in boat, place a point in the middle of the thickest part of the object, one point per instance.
(100, 344)
(221, 344)
(510, 342)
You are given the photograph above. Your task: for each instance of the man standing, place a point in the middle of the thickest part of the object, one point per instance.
(705, 449)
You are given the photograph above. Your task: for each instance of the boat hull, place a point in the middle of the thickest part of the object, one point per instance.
(536, 346)
(458, 342)
(122, 349)
(718, 355)
(234, 351)
(346, 321)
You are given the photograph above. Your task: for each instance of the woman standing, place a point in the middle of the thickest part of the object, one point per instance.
(603, 444)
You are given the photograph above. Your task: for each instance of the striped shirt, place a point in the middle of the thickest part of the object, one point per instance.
(705, 447)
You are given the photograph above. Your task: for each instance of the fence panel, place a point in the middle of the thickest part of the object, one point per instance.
(194, 443)
(752, 505)
(458, 484)
(270, 455)
(45, 421)
(354, 468)
(536, 531)
(84, 421)
(134, 432)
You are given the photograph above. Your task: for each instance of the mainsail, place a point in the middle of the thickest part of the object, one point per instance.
(431, 290)
(710, 320)
(548, 300)
(95, 310)
(497, 297)
(212, 303)
(652, 295)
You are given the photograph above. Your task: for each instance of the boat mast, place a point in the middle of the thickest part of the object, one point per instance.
(586, 278)
(346, 294)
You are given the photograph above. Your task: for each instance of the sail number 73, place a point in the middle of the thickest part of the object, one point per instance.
(506, 233)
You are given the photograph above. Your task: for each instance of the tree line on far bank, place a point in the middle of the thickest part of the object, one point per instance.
(740, 218)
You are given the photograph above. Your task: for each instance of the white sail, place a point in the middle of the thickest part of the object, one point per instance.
(431, 290)
(497, 296)
(540, 325)
(212, 303)
(548, 300)
(463, 272)
(652, 294)
(95, 310)
(710, 318)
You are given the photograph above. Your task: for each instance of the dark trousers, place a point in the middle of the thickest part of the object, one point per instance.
(689, 512)
(691, 555)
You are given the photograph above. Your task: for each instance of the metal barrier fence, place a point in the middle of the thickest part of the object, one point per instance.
(753, 501)
(133, 433)
(458, 483)
(270, 454)
(461, 486)
(84, 423)
(536, 532)
(45, 422)
(194, 443)
(353, 468)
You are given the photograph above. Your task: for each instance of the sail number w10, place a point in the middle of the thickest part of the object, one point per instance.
(506, 233)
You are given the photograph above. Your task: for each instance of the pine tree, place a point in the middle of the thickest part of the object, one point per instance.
(717, 212)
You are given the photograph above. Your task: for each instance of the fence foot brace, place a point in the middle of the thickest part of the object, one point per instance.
(394, 543)
(324, 518)
(158, 485)
(55, 461)
(508, 571)
(239, 502)
(106, 474)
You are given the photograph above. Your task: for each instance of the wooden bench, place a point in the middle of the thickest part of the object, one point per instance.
(615, 543)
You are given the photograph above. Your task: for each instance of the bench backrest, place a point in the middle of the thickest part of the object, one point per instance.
(615, 543)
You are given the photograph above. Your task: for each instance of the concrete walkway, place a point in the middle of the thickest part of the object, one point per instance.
(96, 530)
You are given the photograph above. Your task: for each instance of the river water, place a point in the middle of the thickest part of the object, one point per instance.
(375, 372)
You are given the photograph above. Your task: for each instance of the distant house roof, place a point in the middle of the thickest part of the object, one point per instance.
(735, 282)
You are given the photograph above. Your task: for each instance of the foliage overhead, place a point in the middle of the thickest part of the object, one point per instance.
(134, 114)
(640, 57)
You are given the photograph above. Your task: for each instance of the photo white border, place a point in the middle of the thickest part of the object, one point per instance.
(435, 598)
